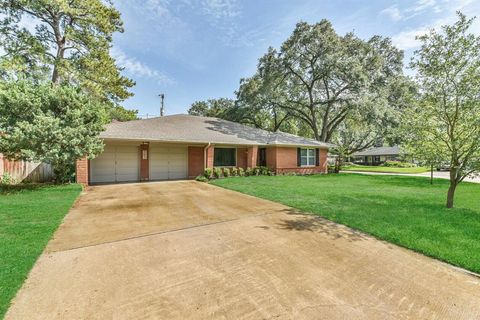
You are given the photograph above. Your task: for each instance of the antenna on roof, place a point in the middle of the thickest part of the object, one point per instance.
(162, 108)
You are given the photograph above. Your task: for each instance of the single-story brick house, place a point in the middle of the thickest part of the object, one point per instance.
(182, 146)
(377, 155)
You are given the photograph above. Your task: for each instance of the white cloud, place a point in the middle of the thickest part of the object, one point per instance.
(219, 9)
(393, 12)
(170, 17)
(406, 39)
(397, 14)
(421, 5)
(137, 68)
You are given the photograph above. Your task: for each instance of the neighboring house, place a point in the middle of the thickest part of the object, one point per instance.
(182, 146)
(377, 155)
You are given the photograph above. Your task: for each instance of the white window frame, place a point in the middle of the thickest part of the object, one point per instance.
(308, 157)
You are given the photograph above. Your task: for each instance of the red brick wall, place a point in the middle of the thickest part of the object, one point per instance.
(209, 154)
(272, 157)
(82, 171)
(323, 160)
(284, 160)
(252, 154)
(195, 161)
(242, 154)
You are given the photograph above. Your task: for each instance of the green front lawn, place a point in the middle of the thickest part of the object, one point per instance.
(29, 215)
(407, 211)
(385, 169)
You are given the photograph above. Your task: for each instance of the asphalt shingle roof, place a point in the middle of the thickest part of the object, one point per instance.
(379, 151)
(195, 129)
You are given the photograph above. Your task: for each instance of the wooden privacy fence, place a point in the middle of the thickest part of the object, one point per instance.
(26, 171)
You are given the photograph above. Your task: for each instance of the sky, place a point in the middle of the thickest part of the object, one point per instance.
(194, 50)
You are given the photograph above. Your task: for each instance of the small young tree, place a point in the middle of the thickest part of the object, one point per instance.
(53, 124)
(446, 122)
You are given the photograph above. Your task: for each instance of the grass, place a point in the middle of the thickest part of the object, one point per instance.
(385, 169)
(29, 215)
(407, 211)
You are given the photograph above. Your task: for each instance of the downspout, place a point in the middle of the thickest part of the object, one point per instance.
(205, 160)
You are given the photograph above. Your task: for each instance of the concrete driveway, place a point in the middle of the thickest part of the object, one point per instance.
(187, 250)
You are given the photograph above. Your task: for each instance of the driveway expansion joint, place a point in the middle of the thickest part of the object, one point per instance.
(160, 233)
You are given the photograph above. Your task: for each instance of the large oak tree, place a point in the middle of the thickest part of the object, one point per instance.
(322, 78)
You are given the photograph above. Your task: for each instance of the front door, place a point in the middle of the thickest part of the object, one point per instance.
(262, 157)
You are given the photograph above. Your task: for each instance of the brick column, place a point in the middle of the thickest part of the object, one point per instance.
(144, 161)
(252, 156)
(81, 170)
(196, 162)
(323, 160)
(209, 157)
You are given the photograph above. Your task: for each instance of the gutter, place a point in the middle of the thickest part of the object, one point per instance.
(205, 155)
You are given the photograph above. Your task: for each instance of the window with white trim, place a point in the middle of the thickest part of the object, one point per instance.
(307, 157)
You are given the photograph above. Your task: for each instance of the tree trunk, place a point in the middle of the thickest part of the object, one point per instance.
(452, 188)
(60, 41)
(338, 163)
(431, 173)
(58, 60)
(451, 194)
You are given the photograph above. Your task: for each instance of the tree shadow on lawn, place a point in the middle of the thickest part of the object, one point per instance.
(393, 180)
(22, 187)
(410, 214)
(314, 223)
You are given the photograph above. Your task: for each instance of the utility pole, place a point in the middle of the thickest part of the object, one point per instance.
(162, 109)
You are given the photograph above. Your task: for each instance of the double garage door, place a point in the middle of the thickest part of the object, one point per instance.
(122, 164)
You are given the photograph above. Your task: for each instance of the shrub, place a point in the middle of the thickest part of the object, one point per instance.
(241, 172)
(399, 164)
(6, 178)
(226, 172)
(331, 168)
(201, 179)
(208, 173)
(217, 173)
(248, 172)
(256, 171)
(264, 171)
(234, 172)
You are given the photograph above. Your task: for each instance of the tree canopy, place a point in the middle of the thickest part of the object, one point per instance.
(321, 78)
(70, 43)
(53, 124)
(445, 124)
(217, 108)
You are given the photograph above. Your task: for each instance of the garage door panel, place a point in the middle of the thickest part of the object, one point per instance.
(115, 164)
(125, 177)
(168, 163)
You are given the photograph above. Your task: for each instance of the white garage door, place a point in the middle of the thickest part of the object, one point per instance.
(115, 164)
(168, 163)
